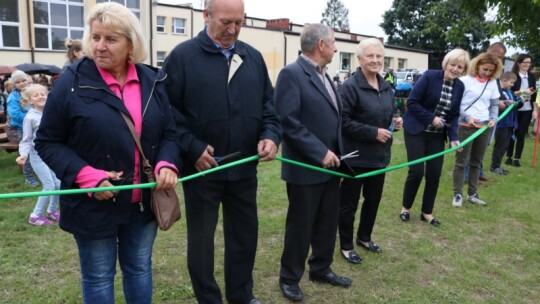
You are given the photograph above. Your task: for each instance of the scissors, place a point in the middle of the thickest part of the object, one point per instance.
(349, 155)
(392, 126)
(220, 159)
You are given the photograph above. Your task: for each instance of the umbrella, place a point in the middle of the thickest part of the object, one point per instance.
(38, 68)
(7, 70)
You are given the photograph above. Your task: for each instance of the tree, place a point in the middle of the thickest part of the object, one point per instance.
(516, 21)
(336, 15)
(435, 25)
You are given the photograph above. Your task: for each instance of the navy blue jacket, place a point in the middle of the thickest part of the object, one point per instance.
(82, 126)
(510, 120)
(365, 110)
(423, 99)
(229, 112)
(311, 123)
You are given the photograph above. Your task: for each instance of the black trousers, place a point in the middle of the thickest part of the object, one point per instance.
(350, 194)
(502, 141)
(240, 229)
(419, 146)
(524, 119)
(311, 221)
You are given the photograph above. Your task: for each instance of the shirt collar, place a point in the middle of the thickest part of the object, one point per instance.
(320, 70)
(110, 80)
(226, 52)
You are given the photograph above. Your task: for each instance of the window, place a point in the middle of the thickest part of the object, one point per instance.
(402, 63)
(161, 58)
(160, 24)
(387, 63)
(10, 35)
(133, 5)
(55, 20)
(178, 25)
(345, 62)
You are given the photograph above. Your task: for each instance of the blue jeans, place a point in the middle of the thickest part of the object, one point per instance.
(49, 182)
(133, 246)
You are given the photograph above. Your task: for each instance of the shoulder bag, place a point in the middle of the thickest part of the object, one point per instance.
(164, 204)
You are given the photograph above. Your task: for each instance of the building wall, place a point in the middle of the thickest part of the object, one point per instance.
(278, 46)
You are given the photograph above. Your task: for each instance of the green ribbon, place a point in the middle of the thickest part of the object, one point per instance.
(253, 158)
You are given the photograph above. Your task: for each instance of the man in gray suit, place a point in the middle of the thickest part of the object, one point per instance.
(309, 109)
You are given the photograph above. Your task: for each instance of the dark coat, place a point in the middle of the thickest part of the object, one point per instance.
(365, 110)
(423, 100)
(311, 123)
(532, 83)
(82, 126)
(230, 114)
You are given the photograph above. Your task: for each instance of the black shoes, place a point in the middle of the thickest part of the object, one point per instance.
(332, 279)
(508, 161)
(434, 222)
(370, 247)
(292, 292)
(353, 257)
(404, 216)
(516, 163)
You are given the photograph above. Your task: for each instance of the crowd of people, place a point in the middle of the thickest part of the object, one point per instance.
(188, 119)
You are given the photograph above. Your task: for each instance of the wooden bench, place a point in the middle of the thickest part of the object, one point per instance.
(10, 147)
(4, 142)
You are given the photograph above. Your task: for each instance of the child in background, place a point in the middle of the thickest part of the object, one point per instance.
(507, 125)
(16, 114)
(36, 96)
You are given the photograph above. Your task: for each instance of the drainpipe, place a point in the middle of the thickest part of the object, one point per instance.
(192, 21)
(152, 32)
(32, 55)
(284, 49)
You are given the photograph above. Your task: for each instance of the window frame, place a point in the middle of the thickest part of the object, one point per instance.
(174, 28)
(342, 56)
(51, 28)
(160, 61)
(161, 26)
(17, 25)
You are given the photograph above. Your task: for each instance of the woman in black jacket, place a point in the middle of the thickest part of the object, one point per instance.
(367, 124)
(524, 87)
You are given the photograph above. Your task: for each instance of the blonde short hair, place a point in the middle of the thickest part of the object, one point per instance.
(118, 19)
(367, 43)
(459, 56)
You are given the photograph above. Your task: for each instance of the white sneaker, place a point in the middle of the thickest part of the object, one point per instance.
(458, 199)
(475, 199)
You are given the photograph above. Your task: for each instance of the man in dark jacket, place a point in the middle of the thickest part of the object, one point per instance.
(223, 101)
(309, 109)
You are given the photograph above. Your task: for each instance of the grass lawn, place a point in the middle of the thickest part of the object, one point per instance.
(479, 255)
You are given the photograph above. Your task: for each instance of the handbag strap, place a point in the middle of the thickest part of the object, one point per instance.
(147, 168)
(477, 97)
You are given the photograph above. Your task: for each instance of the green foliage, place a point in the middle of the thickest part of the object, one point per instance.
(336, 15)
(517, 21)
(435, 25)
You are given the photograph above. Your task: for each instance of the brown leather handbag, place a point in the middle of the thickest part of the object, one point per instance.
(164, 204)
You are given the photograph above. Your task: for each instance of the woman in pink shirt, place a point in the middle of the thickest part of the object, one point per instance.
(85, 141)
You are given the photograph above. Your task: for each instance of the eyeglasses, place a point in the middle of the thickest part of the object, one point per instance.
(526, 62)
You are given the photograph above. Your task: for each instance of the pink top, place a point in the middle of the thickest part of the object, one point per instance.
(89, 177)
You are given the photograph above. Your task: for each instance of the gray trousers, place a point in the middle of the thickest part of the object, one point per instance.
(472, 152)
